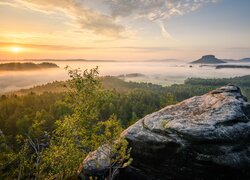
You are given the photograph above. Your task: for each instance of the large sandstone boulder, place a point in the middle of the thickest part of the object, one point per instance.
(204, 137)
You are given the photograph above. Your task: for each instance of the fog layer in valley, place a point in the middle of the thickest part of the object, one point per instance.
(164, 73)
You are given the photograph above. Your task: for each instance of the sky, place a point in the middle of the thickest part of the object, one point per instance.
(124, 29)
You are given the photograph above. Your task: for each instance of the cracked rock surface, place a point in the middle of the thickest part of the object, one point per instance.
(204, 137)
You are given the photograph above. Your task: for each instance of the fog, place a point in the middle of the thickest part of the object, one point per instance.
(164, 73)
(15, 80)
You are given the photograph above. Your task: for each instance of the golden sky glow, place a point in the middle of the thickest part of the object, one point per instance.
(124, 30)
(15, 49)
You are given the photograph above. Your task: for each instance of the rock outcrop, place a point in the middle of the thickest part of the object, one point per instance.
(208, 59)
(204, 137)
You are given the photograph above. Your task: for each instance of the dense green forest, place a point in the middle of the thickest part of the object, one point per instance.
(45, 132)
(243, 82)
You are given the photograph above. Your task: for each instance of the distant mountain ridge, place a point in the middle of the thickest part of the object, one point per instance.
(211, 59)
(26, 66)
(49, 60)
(245, 60)
(164, 60)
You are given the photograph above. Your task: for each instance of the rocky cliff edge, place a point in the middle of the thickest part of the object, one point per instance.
(204, 137)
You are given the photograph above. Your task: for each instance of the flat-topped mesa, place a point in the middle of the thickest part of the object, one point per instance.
(208, 56)
(204, 137)
(208, 59)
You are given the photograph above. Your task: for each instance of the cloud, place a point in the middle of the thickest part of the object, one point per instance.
(164, 32)
(5, 3)
(88, 19)
(142, 48)
(43, 46)
(61, 47)
(105, 17)
(154, 10)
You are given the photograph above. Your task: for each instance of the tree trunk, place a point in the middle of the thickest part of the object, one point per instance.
(20, 172)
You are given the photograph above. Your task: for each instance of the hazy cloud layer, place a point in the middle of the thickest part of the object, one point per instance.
(61, 47)
(154, 9)
(43, 46)
(104, 20)
(89, 19)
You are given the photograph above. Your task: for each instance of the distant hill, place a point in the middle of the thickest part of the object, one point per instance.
(131, 75)
(108, 82)
(26, 66)
(72, 60)
(245, 60)
(60, 60)
(208, 59)
(163, 60)
(229, 60)
(53, 87)
(232, 66)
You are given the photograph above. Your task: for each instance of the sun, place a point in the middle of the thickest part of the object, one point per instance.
(15, 49)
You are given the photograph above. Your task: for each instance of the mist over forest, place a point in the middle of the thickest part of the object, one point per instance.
(124, 89)
(162, 73)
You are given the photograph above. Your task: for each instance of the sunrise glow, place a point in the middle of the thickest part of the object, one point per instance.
(94, 29)
(125, 89)
(15, 49)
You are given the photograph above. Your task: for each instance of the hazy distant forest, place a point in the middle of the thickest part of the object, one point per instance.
(46, 133)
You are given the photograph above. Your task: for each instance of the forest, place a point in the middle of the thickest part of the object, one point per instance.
(46, 132)
(26, 66)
